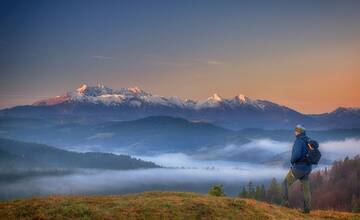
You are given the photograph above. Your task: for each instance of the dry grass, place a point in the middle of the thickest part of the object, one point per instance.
(154, 205)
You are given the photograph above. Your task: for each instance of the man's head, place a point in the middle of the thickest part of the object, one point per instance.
(299, 130)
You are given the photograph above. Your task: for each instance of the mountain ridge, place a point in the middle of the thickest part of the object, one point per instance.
(101, 94)
(134, 103)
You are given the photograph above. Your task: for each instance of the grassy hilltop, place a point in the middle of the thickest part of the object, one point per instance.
(154, 205)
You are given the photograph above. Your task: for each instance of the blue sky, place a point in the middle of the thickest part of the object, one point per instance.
(191, 49)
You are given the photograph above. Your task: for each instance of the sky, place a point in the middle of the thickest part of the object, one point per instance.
(302, 54)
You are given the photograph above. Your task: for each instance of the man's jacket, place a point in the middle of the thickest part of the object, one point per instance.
(299, 150)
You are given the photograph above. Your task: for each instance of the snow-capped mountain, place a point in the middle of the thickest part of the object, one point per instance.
(213, 101)
(101, 94)
(100, 103)
(135, 96)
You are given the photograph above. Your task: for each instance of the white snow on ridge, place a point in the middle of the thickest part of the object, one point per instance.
(135, 96)
(213, 101)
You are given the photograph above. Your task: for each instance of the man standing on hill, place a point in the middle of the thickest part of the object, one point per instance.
(300, 169)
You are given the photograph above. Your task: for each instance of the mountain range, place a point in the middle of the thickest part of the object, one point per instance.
(100, 103)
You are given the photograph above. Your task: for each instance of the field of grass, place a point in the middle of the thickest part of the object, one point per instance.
(154, 205)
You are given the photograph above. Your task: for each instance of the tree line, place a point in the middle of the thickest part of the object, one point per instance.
(336, 188)
(271, 194)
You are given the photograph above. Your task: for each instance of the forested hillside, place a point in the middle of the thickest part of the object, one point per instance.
(337, 188)
(16, 154)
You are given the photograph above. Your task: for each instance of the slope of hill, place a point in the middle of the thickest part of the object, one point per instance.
(16, 154)
(87, 102)
(154, 205)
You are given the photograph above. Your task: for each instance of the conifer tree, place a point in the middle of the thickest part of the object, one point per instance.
(355, 204)
(243, 193)
(274, 192)
(251, 190)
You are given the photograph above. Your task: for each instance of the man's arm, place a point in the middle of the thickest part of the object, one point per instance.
(296, 151)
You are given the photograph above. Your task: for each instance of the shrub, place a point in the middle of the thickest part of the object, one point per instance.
(216, 190)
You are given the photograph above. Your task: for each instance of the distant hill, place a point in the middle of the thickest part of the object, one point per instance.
(155, 205)
(151, 134)
(157, 135)
(288, 135)
(162, 133)
(16, 154)
(87, 103)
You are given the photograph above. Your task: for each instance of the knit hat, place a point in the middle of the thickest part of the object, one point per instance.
(300, 129)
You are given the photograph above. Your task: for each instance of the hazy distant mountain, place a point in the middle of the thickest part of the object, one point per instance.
(159, 134)
(99, 103)
(340, 118)
(16, 154)
(288, 135)
(151, 134)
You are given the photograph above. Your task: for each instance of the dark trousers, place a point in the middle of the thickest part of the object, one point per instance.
(305, 185)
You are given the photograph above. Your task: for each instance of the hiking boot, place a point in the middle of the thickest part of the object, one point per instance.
(306, 208)
(285, 204)
(306, 211)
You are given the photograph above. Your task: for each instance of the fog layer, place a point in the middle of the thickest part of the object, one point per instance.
(185, 172)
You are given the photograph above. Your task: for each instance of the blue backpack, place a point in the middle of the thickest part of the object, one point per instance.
(313, 156)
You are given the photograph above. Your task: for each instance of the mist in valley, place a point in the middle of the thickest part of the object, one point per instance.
(180, 172)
